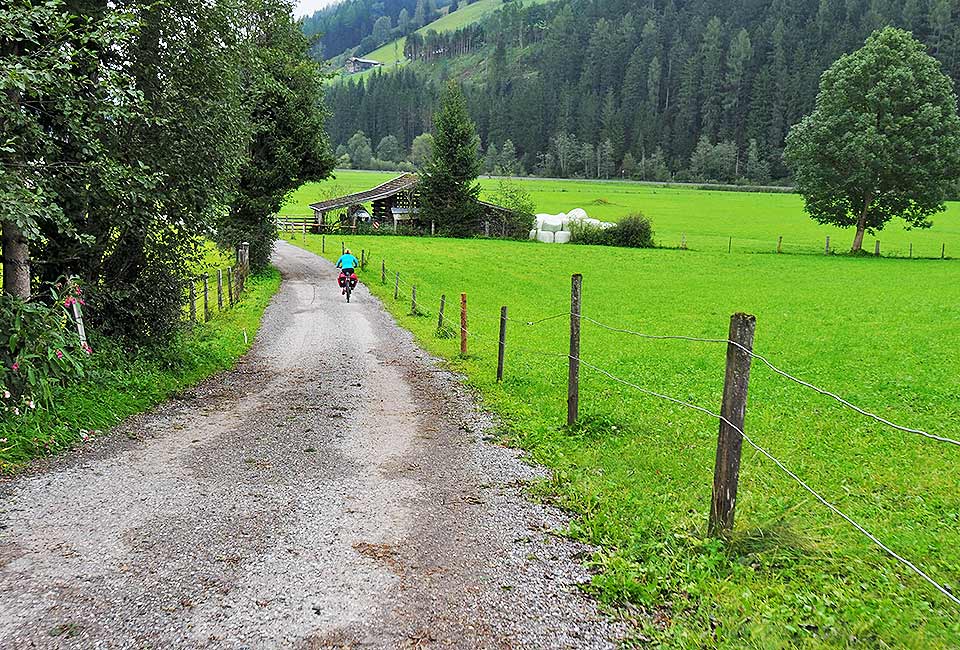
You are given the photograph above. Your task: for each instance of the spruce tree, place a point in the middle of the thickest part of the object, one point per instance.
(448, 190)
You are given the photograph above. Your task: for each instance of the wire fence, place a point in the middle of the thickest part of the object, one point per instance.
(202, 294)
(576, 316)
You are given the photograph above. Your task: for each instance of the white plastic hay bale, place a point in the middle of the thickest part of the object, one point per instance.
(577, 214)
(546, 236)
(533, 234)
(561, 237)
(551, 223)
(540, 219)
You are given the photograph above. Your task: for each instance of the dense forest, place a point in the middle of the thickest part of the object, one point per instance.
(688, 89)
(361, 26)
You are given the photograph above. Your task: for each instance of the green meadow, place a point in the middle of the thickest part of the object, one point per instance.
(638, 470)
(709, 220)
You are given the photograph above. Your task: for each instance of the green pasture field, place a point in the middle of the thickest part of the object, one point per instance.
(638, 470)
(707, 218)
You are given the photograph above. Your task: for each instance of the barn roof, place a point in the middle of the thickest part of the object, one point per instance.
(401, 183)
(393, 186)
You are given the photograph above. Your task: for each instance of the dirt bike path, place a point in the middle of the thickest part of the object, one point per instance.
(266, 509)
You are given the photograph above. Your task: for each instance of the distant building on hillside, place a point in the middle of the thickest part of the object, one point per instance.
(356, 64)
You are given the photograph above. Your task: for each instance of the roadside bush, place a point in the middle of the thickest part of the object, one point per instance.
(38, 349)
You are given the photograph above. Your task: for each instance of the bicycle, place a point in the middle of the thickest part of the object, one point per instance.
(348, 283)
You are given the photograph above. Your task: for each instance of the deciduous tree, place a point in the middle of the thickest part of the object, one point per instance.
(883, 140)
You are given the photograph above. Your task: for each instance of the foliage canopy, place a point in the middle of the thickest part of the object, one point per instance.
(448, 191)
(883, 140)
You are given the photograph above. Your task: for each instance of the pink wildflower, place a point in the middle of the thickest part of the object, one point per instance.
(6, 394)
(82, 303)
(69, 301)
(87, 348)
(59, 354)
(15, 367)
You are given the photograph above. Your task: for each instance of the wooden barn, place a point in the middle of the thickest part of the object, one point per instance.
(392, 205)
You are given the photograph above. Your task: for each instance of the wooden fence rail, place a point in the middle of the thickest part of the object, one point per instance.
(236, 276)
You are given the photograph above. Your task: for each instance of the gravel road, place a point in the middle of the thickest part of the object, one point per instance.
(337, 489)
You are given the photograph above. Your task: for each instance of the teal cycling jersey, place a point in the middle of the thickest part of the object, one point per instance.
(348, 261)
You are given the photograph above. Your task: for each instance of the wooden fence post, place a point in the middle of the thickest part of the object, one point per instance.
(911, 250)
(230, 285)
(383, 271)
(413, 300)
(433, 229)
(503, 342)
(304, 231)
(573, 368)
(206, 297)
(876, 249)
(219, 290)
(683, 241)
(396, 286)
(943, 250)
(193, 301)
(780, 244)
(443, 303)
(323, 244)
(730, 245)
(343, 247)
(486, 228)
(363, 258)
(463, 324)
(826, 248)
(726, 472)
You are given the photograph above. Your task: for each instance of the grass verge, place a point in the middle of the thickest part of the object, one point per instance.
(120, 384)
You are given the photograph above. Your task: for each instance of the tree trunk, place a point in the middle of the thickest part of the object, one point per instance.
(16, 261)
(861, 224)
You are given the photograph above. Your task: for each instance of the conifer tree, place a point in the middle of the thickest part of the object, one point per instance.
(448, 190)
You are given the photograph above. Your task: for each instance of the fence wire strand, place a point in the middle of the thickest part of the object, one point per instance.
(943, 590)
(529, 323)
(782, 373)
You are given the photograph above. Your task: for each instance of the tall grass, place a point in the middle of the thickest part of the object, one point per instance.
(122, 382)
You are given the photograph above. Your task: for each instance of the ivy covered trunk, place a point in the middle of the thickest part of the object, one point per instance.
(16, 261)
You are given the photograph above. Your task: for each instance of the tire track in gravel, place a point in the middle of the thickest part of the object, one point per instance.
(334, 490)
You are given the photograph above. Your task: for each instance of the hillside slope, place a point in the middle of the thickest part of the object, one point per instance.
(603, 88)
(391, 54)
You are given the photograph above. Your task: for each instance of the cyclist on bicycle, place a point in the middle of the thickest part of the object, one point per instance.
(347, 263)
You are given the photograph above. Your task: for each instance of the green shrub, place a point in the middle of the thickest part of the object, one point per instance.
(588, 233)
(39, 349)
(633, 231)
